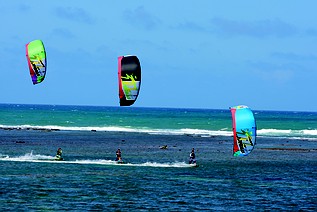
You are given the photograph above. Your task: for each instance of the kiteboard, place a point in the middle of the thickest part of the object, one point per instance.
(193, 165)
(120, 161)
(58, 158)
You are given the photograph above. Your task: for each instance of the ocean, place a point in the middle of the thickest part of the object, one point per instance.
(280, 173)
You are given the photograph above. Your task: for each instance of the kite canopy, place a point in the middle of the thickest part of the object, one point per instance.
(244, 130)
(36, 56)
(129, 73)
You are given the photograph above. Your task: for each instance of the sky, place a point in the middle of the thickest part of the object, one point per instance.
(193, 53)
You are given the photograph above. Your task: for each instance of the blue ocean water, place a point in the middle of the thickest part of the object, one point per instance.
(280, 174)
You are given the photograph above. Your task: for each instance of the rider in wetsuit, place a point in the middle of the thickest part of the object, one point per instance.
(192, 157)
(118, 154)
(59, 154)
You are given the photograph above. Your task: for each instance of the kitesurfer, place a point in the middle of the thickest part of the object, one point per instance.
(192, 157)
(118, 154)
(59, 154)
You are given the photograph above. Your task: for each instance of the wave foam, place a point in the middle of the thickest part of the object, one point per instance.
(287, 133)
(185, 131)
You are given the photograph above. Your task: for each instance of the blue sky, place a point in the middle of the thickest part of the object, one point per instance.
(193, 54)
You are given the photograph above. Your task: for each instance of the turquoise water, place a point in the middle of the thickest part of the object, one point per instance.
(280, 174)
(206, 122)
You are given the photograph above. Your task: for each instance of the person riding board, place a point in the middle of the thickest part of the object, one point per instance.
(192, 157)
(59, 154)
(118, 154)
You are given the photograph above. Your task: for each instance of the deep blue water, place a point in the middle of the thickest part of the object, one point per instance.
(280, 174)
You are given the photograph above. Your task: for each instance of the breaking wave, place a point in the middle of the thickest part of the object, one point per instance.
(305, 133)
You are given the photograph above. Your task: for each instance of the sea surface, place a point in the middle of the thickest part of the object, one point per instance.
(280, 173)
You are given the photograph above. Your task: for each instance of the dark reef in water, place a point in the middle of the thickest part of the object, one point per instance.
(29, 128)
(289, 149)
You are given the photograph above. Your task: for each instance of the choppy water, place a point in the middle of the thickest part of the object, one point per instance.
(280, 173)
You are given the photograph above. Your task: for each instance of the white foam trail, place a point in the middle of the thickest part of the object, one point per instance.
(164, 165)
(29, 157)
